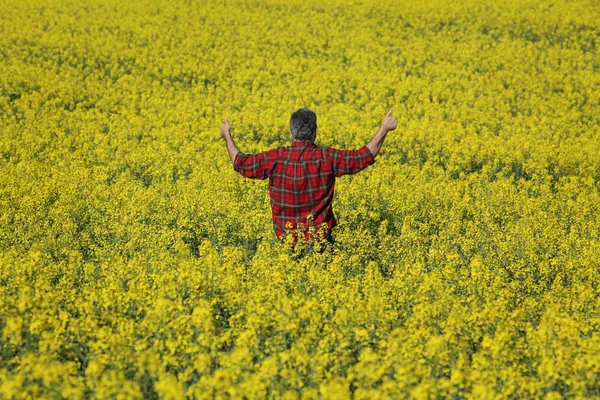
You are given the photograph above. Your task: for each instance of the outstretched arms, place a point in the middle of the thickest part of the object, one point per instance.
(259, 166)
(389, 124)
(231, 147)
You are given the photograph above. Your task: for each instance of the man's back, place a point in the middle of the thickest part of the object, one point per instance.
(302, 180)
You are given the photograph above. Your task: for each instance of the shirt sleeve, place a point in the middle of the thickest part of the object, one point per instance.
(255, 166)
(347, 162)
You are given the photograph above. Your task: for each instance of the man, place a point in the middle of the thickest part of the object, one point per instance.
(302, 175)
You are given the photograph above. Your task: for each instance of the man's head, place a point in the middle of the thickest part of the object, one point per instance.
(303, 125)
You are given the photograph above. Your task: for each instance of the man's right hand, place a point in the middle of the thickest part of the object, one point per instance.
(389, 122)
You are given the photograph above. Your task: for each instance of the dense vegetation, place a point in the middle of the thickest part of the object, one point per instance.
(135, 262)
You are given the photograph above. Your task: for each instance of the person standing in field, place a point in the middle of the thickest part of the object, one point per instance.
(302, 175)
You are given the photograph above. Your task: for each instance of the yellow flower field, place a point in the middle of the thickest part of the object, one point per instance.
(136, 263)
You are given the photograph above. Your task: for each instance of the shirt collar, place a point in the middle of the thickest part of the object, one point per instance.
(302, 143)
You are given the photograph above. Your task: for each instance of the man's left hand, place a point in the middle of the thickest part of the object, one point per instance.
(225, 128)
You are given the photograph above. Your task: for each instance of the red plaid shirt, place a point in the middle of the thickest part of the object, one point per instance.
(301, 181)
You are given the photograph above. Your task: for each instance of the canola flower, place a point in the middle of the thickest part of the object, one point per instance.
(135, 263)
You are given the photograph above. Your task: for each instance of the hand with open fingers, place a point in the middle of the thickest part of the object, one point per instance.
(389, 121)
(225, 128)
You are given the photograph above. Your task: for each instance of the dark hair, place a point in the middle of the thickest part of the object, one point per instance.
(303, 124)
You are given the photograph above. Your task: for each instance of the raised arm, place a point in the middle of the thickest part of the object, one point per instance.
(255, 166)
(389, 124)
(231, 147)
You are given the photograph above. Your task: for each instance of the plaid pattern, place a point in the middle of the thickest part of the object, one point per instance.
(301, 180)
